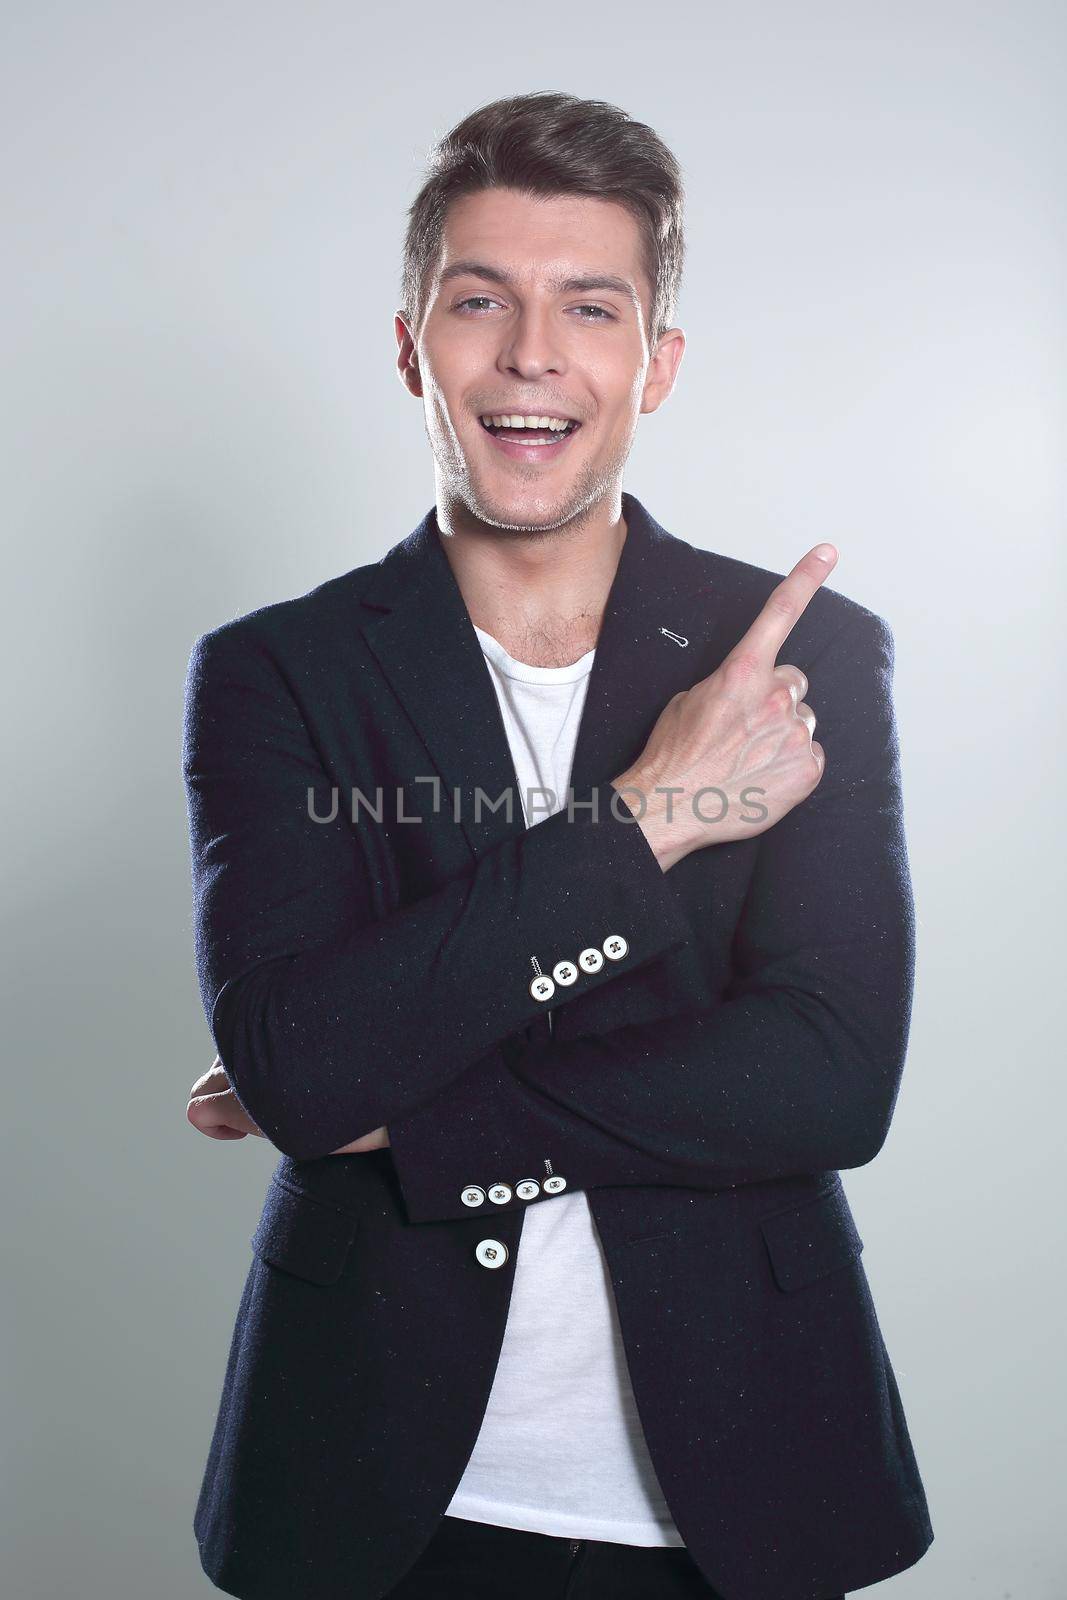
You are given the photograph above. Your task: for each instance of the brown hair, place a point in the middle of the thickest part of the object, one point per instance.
(548, 143)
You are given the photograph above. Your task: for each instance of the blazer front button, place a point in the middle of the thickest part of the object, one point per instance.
(555, 1184)
(500, 1194)
(542, 987)
(615, 947)
(527, 1188)
(591, 959)
(491, 1252)
(472, 1195)
(565, 972)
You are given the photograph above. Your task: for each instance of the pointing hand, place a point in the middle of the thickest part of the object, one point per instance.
(743, 736)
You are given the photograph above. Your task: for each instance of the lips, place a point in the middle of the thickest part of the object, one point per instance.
(529, 444)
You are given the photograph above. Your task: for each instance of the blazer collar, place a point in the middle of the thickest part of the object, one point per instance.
(424, 640)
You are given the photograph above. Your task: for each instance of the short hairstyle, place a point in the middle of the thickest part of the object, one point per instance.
(548, 143)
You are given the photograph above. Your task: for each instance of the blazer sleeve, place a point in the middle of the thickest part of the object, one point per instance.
(329, 1020)
(795, 1070)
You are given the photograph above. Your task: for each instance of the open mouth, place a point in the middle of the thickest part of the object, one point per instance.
(530, 437)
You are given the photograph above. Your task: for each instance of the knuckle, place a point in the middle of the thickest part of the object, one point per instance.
(790, 674)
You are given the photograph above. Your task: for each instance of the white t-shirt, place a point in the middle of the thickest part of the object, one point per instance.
(561, 1449)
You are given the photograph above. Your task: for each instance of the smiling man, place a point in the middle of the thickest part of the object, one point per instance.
(509, 322)
(536, 339)
(564, 968)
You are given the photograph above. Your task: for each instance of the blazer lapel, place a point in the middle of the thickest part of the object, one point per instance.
(653, 642)
(425, 643)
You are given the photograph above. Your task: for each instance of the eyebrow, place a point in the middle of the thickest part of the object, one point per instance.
(586, 284)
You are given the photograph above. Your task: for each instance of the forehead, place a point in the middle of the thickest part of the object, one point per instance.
(533, 235)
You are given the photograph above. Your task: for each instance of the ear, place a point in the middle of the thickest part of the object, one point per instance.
(407, 360)
(663, 368)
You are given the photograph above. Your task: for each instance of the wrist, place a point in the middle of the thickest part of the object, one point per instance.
(649, 809)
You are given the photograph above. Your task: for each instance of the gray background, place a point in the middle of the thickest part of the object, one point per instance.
(203, 209)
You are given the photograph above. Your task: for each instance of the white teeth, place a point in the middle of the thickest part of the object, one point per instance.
(555, 424)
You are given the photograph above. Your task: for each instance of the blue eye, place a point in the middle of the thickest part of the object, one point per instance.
(589, 313)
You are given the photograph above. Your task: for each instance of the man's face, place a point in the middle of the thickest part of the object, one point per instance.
(538, 308)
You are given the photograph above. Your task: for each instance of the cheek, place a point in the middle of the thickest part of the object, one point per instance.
(620, 408)
(637, 391)
(618, 383)
(446, 368)
(460, 351)
(443, 397)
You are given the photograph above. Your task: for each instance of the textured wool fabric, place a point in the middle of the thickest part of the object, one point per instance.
(703, 1092)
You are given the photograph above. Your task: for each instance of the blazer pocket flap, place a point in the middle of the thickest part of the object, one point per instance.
(304, 1235)
(810, 1240)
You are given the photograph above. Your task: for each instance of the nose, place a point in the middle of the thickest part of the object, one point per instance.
(532, 345)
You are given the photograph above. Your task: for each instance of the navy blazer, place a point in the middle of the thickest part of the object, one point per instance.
(704, 1088)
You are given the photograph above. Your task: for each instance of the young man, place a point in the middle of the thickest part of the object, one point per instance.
(637, 1018)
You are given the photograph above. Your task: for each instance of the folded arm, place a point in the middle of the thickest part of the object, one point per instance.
(329, 1020)
(797, 1068)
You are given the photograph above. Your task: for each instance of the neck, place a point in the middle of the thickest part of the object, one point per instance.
(541, 592)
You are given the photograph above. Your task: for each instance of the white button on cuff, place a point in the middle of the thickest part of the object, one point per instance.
(500, 1194)
(542, 987)
(591, 959)
(528, 1189)
(555, 1184)
(472, 1195)
(491, 1252)
(565, 972)
(615, 947)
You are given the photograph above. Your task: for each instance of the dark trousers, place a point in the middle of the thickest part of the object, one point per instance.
(480, 1561)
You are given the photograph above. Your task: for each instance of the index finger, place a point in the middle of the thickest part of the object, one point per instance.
(786, 603)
